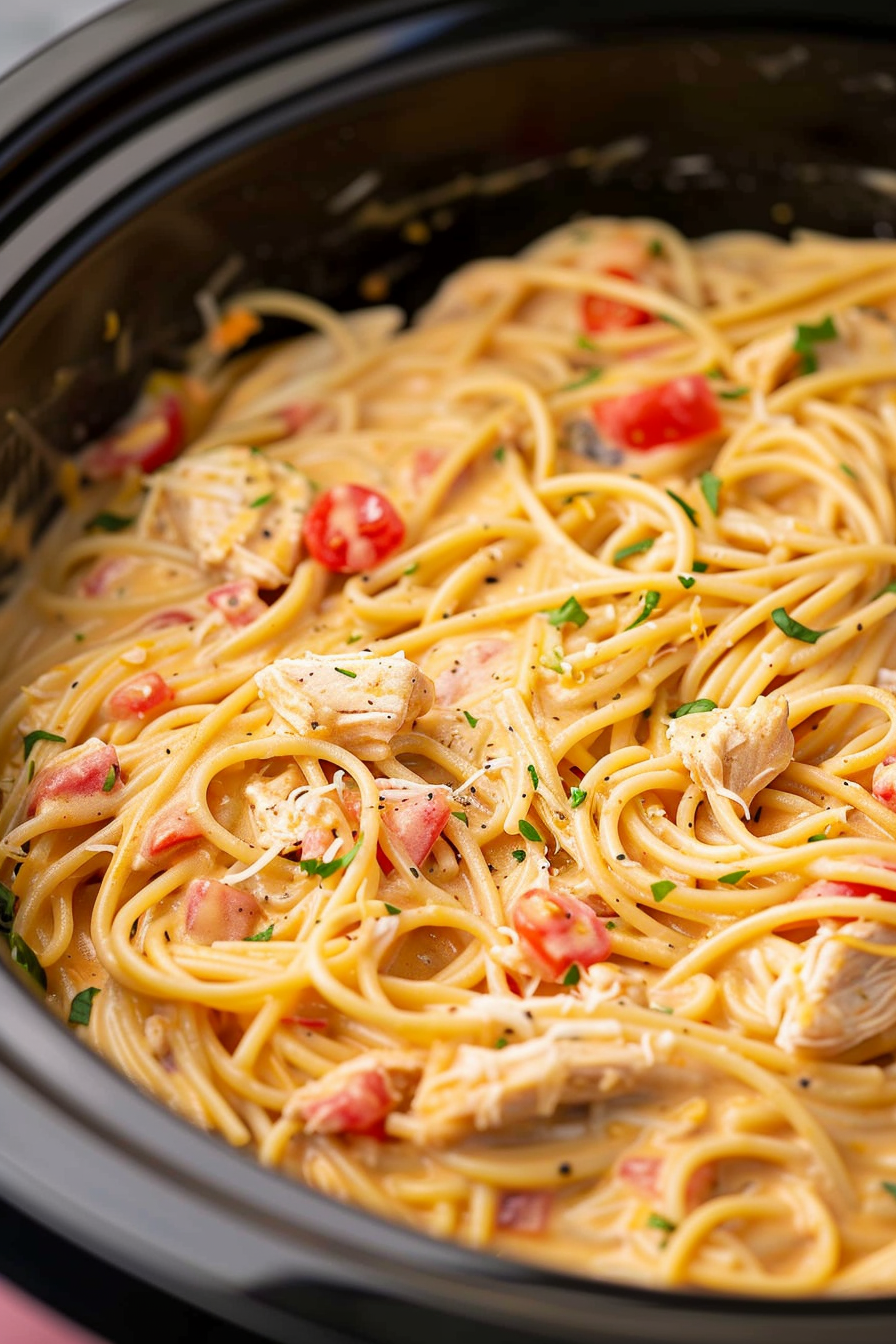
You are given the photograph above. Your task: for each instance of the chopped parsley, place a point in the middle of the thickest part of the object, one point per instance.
(391, 909)
(731, 879)
(699, 566)
(533, 775)
(661, 1223)
(569, 613)
(109, 522)
(890, 588)
(661, 889)
(262, 500)
(519, 855)
(813, 839)
(577, 797)
(655, 247)
(589, 376)
(528, 831)
(109, 781)
(694, 707)
(847, 470)
(683, 504)
(7, 909)
(795, 629)
(610, 924)
(500, 1043)
(38, 735)
(353, 639)
(651, 598)
(710, 485)
(264, 937)
(500, 453)
(79, 1013)
(317, 867)
(461, 817)
(23, 956)
(344, 672)
(890, 1187)
(412, 569)
(585, 344)
(572, 976)
(808, 336)
(635, 549)
(469, 718)
(686, 581)
(733, 393)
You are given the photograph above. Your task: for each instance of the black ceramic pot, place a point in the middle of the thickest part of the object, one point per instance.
(136, 158)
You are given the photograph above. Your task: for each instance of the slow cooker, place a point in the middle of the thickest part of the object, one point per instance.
(280, 142)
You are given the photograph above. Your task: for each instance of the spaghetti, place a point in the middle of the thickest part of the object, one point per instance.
(463, 771)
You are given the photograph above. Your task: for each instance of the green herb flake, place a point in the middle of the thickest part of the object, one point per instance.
(585, 344)
(651, 598)
(264, 937)
(699, 566)
(655, 247)
(461, 817)
(79, 636)
(710, 486)
(519, 855)
(890, 588)
(813, 839)
(353, 639)
(38, 735)
(808, 336)
(500, 453)
(501, 1043)
(795, 629)
(733, 393)
(533, 775)
(411, 569)
(572, 976)
(732, 879)
(79, 1013)
(577, 797)
(262, 500)
(661, 889)
(610, 924)
(23, 956)
(570, 613)
(685, 581)
(392, 909)
(694, 707)
(847, 470)
(636, 548)
(673, 321)
(715, 372)
(109, 522)
(317, 867)
(344, 672)
(661, 1008)
(660, 1223)
(469, 718)
(890, 1187)
(30, 770)
(7, 909)
(109, 781)
(528, 831)
(683, 504)
(588, 377)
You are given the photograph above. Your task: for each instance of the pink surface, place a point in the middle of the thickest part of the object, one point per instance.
(24, 1321)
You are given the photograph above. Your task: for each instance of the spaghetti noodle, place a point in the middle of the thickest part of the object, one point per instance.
(462, 771)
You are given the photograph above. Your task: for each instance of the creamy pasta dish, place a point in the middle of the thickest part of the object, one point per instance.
(457, 761)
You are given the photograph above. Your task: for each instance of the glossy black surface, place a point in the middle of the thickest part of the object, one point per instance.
(194, 135)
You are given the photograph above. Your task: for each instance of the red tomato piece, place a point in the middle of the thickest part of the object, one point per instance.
(216, 912)
(140, 696)
(173, 826)
(644, 1174)
(238, 602)
(601, 313)
(883, 782)
(824, 887)
(350, 528)
(424, 465)
(415, 816)
(558, 931)
(296, 416)
(99, 581)
(472, 673)
(674, 412)
(152, 436)
(309, 1023)
(83, 773)
(525, 1211)
(315, 842)
(165, 619)
(360, 1105)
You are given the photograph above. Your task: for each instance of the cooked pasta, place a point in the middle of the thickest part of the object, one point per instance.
(458, 760)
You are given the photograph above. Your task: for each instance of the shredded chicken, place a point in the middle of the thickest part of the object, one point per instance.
(282, 815)
(485, 1089)
(837, 995)
(239, 512)
(356, 701)
(735, 752)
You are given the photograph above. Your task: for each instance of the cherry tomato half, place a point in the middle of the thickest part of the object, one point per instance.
(558, 931)
(351, 528)
(673, 412)
(601, 313)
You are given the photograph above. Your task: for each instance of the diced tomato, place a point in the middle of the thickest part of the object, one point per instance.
(83, 773)
(309, 1023)
(296, 416)
(99, 580)
(359, 1106)
(165, 619)
(173, 826)
(601, 313)
(140, 696)
(424, 465)
(151, 437)
(644, 1173)
(471, 673)
(216, 912)
(525, 1211)
(315, 842)
(415, 817)
(238, 602)
(825, 887)
(673, 412)
(559, 931)
(350, 528)
(883, 782)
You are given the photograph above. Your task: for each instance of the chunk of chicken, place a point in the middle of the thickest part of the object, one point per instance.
(839, 996)
(358, 702)
(484, 1089)
(287, 813)
(356, 1097)
(239, 512)
(733, 753)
